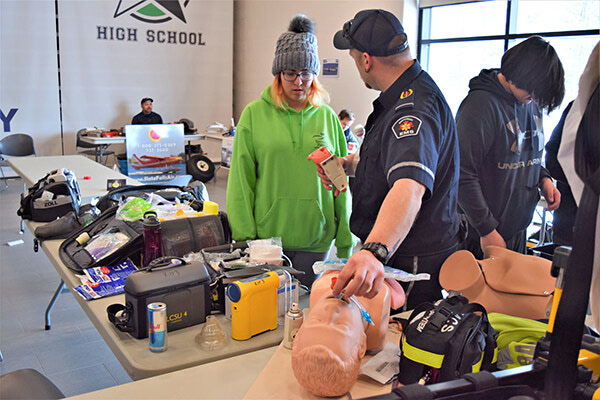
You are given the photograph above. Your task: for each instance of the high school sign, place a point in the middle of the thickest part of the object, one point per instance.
(151, 12)
(109, 55)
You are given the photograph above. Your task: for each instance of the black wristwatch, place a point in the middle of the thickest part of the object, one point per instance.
(379, 250)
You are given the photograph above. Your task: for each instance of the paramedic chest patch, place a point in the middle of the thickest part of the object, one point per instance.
(406, 126)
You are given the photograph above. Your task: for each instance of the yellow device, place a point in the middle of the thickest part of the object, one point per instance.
(253, 305)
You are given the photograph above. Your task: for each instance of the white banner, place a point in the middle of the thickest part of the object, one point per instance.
(29, 73)
(115, 52)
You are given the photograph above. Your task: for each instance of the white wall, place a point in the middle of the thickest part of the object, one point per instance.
(205, 97)
(258, 24)
(103, 80)
(29, 73)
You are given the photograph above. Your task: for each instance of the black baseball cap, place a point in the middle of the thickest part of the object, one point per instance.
(371, 31)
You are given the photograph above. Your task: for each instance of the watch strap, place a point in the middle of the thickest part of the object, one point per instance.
(374, 248)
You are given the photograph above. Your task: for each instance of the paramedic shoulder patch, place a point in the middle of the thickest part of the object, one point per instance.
(406, 126)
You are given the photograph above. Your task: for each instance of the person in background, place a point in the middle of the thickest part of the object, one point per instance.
(347, 119)
(501, 141)
(404, 202)
(146, 116)
(273, 189)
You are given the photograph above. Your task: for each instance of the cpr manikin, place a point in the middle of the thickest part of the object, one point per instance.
(334, 337)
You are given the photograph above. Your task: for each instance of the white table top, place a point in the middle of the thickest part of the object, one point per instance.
(216, 136)
(32, 169)
(132, 353)
(225, 379)
(121, 139)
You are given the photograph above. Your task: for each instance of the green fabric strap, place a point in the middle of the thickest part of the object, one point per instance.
(422, 356)
(477, 367)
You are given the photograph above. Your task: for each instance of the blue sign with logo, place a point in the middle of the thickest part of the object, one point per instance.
(331, 66)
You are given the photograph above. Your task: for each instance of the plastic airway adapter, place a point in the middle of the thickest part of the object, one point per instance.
(211, 337)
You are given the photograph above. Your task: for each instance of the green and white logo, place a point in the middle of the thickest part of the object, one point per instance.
(152, 11)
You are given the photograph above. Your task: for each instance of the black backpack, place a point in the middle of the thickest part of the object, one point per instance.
(444, 340)
(51, 197)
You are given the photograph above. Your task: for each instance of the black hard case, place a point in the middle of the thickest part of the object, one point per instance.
(185, 289)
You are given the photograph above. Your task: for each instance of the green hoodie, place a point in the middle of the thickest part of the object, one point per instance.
(274, 191)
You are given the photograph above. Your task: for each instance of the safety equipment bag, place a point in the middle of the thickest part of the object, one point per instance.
(444, 340)
(51, 197)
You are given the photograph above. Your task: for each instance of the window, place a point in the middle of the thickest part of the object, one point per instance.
(458, 40)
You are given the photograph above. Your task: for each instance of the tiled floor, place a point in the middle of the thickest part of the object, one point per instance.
(72, 354)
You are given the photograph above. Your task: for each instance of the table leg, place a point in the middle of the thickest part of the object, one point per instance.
(61, 285)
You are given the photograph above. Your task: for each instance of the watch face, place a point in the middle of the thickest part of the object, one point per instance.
(378, 250)
(381, 252)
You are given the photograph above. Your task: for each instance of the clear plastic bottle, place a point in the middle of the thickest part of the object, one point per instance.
(152, 238)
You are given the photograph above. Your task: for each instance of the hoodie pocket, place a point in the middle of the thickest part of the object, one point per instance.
(299, 222)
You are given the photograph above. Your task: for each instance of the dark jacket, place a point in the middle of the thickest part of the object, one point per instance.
(564, 215)
(501, 143)
(144, 119)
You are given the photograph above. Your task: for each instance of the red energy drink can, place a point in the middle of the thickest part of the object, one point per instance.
(157, 327)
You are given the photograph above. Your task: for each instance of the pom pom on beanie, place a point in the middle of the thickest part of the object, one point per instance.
(297, 48)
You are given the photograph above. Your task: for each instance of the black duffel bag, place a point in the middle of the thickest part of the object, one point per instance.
(51, 197)
(445, 340)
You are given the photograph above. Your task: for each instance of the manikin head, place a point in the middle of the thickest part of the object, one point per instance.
(329, 347)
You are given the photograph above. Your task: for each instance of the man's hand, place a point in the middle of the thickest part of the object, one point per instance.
(492, 239)
(362, 276)
(551, 194)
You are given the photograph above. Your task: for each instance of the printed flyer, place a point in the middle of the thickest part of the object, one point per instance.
(155, 153)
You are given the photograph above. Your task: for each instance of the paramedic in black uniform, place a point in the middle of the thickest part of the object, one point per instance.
(146, 116)
(405, 194)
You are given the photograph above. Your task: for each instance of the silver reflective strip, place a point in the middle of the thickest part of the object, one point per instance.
(404, 105)
(411, 164)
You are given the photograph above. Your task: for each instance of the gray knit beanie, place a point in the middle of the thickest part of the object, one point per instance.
(297, 48)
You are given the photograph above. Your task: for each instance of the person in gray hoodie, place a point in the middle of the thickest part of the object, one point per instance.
(501, 141)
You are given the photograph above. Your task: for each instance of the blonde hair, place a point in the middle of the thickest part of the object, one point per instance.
(317, 95)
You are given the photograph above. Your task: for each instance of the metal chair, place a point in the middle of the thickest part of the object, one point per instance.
(28, 384)
(99, 150)
(16, 145)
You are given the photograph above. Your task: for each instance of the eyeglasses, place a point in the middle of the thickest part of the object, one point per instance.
(291, 76)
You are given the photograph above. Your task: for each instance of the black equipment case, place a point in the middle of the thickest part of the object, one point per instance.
(51, 197)
(183, 287)
(179, 237)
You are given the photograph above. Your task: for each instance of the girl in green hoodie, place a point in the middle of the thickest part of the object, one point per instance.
(273, 190)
